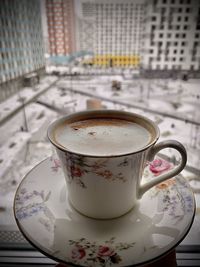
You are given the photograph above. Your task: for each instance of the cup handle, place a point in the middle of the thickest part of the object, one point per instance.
(150, 156)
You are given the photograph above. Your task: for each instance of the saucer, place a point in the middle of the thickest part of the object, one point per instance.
(156, 225)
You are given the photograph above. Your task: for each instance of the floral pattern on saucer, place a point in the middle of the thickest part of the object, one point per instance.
(175, 200)
(30, 203)
(56, 164)
(92, 254)
(158, 166)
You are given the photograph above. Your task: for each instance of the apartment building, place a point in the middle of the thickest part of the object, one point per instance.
(112, 30)
(61, 26)
(171, 39)
(21, 43)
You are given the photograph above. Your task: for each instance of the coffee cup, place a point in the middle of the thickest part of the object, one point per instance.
(103, 154)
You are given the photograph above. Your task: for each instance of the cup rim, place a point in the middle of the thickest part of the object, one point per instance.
(99, 113)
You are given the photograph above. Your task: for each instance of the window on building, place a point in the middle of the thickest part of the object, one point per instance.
(175, 51)
(155, 2)
(169, 35)
(161, 35)
(153, 18)
(179, 18)
(193, 58)
(160, 43)
(177, 35)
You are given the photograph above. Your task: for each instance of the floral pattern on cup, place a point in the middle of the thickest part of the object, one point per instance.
(30, 203)
(78, 166)
(94, 254)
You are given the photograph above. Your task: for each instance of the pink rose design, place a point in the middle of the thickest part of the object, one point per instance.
(106, 174)
(78, 253)
(56, 166)
(158, 166)
(105, 251)
(76, 171)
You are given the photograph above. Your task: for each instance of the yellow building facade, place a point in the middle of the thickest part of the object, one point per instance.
(115, 61)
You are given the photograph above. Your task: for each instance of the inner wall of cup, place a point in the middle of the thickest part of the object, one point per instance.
(101, 114)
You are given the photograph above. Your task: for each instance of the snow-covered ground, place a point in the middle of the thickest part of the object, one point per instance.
(23, 141)
(177, 100)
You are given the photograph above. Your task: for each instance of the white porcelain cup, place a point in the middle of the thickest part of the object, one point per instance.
(108, 186)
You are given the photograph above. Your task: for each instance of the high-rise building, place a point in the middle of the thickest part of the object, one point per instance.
(112, 30)
(21, 43)
(85, 20)
(171, 39)
(61, 26)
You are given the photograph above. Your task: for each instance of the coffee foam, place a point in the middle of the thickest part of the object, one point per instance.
(102, 137)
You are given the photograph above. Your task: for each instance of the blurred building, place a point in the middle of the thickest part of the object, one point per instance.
(61, 26)
(21, 43)
(171, 41)
(112, 30)
(159, 37)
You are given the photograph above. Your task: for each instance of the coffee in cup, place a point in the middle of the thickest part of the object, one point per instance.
(102, 136)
